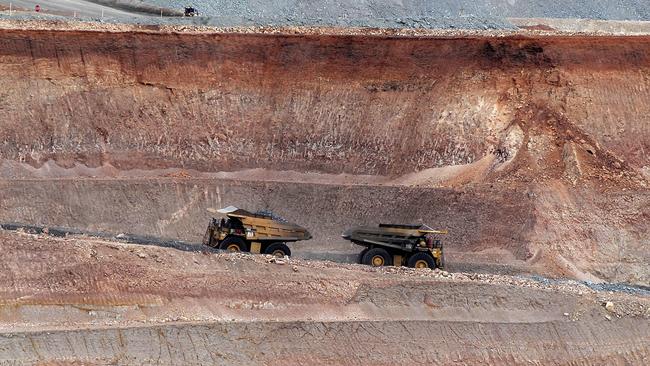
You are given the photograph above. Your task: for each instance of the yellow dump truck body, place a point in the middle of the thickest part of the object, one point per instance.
(259, 227)
(251, 227)
(397, 244)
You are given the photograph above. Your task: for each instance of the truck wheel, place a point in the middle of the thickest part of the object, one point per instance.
(360, 257)
(422, 260)
(278, 250)
(377, 257)
(233, 244)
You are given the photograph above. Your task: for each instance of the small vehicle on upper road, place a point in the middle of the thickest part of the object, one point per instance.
(390, 244)
(243, 231)
(190, 11)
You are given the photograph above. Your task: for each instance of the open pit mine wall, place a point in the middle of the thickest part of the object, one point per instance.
(177, 209)
(245, 343)
(356, 104)
(605, 235)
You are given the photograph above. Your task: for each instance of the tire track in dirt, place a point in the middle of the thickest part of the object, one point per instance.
(345, 343)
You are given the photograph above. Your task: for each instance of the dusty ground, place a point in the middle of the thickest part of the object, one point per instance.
(110, 302)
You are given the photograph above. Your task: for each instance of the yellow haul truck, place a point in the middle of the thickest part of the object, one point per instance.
(389, 244)
(242, 231)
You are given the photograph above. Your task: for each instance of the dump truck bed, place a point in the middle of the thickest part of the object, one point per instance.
(260, 227)
(268, 229)
(398, 238)
(402, 237)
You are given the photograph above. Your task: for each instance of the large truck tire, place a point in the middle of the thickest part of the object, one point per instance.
(278, 250)
(377, 257)
(422, 260)
(234, 244)
(360, 256)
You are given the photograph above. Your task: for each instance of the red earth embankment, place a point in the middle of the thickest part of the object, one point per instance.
(549, 135)
(333, 104)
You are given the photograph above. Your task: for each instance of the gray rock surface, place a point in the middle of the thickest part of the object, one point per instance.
(441, 14)
(412, 12)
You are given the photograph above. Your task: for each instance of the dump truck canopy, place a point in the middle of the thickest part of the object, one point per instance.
(403, 237)
(232, 211)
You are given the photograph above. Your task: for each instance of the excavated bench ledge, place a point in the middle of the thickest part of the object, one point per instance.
(533, 27)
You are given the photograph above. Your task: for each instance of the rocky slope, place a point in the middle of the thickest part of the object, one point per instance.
(333, 104)
(77, 300)
(527, 147)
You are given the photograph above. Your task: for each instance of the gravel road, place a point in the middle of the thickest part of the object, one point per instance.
(458, 13)
(447, 14)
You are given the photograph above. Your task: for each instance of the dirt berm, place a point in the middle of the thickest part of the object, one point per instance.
(82, 301)
(529, 147)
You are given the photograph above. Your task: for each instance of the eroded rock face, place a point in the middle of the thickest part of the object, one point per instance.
(527, 134)
(331, 104)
